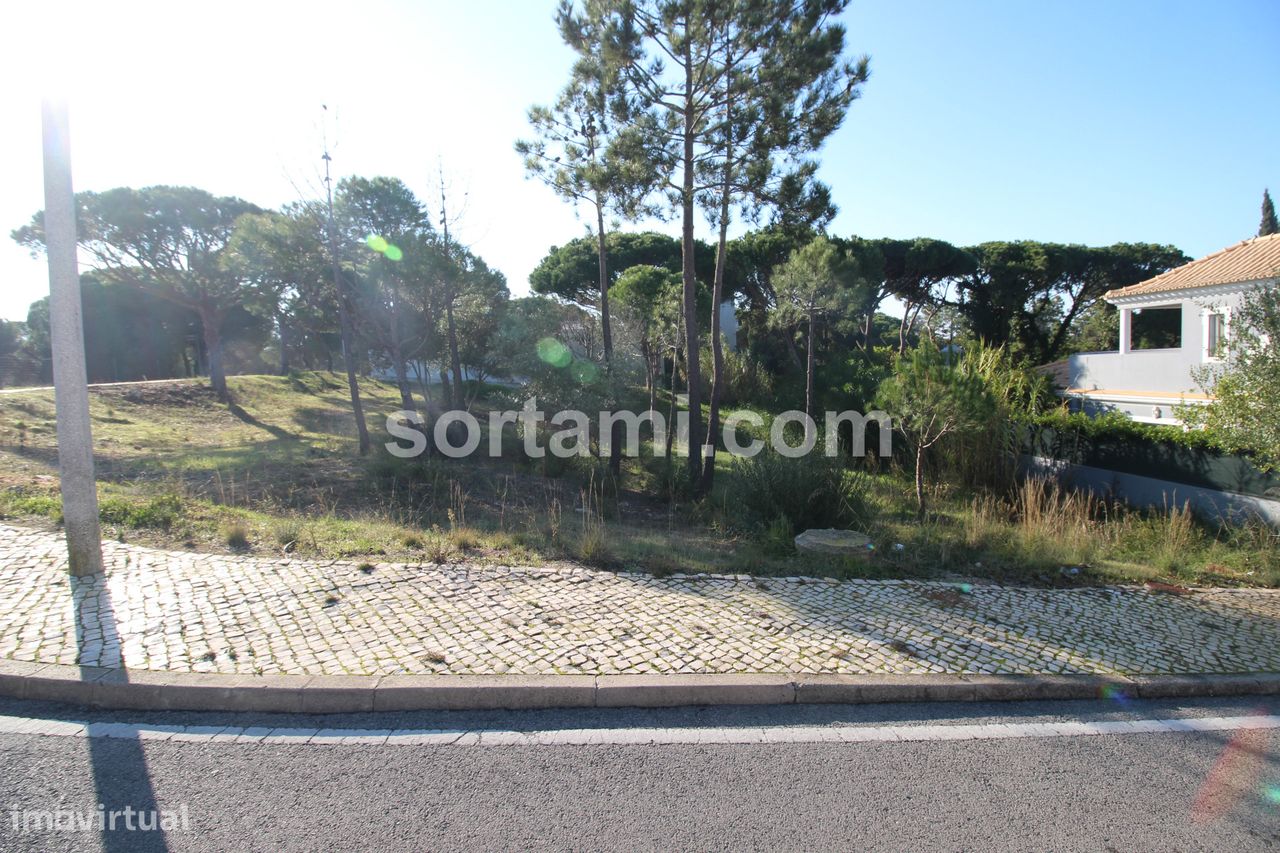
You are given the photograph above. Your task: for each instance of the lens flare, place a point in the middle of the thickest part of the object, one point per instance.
(1272, 794)
(1234, 775)
(1114, 692)
(584, 371)
(554, 353)
(382, 246)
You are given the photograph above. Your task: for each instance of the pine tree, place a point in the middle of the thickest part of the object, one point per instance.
(739, 92)
(1270, 225)
(587, 149)
(784, 89)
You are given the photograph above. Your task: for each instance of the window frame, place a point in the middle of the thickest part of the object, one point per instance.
(1216, 347)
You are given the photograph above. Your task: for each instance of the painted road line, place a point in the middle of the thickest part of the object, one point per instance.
(628, 736)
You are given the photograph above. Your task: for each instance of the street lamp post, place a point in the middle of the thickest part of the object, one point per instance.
(71, 391)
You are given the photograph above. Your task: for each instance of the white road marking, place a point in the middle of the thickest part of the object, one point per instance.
(626, 736)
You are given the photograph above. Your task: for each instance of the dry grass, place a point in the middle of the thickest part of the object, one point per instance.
(179, 470)
(236, 535)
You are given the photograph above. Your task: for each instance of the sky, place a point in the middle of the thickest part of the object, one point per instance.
(1093, 121)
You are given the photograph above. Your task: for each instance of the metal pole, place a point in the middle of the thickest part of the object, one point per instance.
(71, 391)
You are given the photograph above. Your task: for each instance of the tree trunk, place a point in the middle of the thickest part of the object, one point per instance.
(455, 363)
(690, 276)
(602, 259)
(347, 333)
(671, 407)
(909, 319)
(606, 334)
(402, 380)
(284, 344)
(353, 386)
(211, 323)
(446, 387)
(650, 371)
(808, 366)
(920, 482)
(424, 376)
(717, 348)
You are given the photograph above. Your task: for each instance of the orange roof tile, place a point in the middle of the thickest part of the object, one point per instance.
(1249, 260)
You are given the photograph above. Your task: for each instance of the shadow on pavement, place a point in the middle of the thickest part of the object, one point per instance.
(121, 780)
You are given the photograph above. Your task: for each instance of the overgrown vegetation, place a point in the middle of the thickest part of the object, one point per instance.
(177, 469)
(665, 113)
(808, 491)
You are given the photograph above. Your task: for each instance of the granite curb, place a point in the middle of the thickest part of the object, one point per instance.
(324, 694)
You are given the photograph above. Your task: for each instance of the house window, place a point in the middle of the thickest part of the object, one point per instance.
(1156, 328)
(1215, 337)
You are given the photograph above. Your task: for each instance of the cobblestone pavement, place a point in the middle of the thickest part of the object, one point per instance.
(215, 613)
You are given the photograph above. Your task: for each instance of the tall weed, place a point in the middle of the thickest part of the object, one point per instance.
(809, 491)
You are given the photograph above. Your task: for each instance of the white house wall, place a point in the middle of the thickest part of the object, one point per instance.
(1158, 379)
(729, 324)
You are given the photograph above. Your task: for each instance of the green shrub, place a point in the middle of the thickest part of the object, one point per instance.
(813, 490)
(747, 381)
(158, 513)
(1114, 426)
(988, 456)
(592, 546)
(934, 405)
(287, 533)
(779, 537)
(18, 502)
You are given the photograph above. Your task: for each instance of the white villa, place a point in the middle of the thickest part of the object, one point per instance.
(1179, 320)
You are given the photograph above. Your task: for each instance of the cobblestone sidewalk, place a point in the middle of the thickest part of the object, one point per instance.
(212, 613)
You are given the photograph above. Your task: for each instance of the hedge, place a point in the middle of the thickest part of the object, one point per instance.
(1115, 443)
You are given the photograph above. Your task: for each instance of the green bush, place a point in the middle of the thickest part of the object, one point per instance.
(747, 381)
(809, 491)
(18, 502)
(158, 513)
(1114, 426)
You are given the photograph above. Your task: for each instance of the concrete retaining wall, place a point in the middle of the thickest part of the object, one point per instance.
(1140, 491)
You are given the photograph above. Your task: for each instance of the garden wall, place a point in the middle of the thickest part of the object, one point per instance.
(1146, 472)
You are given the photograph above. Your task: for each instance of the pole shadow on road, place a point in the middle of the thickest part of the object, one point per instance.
(119, 765)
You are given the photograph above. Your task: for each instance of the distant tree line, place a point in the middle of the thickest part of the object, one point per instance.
(184, 282)
(1040, 300)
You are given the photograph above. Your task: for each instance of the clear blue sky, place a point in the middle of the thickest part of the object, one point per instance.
(1089, 122)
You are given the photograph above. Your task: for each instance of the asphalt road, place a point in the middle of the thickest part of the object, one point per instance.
(1167, 791)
